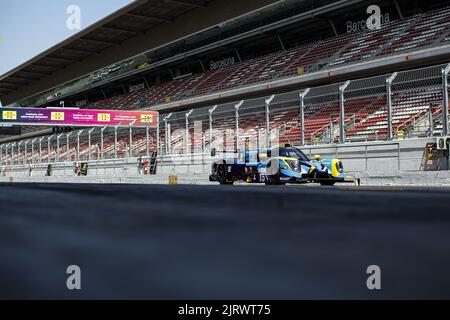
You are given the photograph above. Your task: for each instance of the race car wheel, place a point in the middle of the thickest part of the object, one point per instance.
(222, 174)
(273, 173)
(273, 180)
(327, 183)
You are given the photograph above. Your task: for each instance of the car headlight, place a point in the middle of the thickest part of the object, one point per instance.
(339, 167)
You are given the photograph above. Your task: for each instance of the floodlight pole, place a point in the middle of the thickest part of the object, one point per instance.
(187, 130)
(236, 120)
(89, 143)
(342, 111)
(166, 128)
(302, 115)
(267, 102)
(78, 145)
(389, 82)
(210, 111)
(445, 72)
(101, 142)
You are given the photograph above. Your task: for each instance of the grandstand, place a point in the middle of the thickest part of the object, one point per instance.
(281, 48)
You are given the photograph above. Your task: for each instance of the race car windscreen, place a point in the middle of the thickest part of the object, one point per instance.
(293, 153)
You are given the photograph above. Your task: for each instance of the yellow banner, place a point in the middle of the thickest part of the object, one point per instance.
(104, 117)
(146, 118)
(57, 116)
(9, 115)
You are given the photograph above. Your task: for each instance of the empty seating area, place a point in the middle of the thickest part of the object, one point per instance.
(419, 31)
(427, 29)
(406, 106)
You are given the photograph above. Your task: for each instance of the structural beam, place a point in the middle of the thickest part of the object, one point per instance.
(196, 4)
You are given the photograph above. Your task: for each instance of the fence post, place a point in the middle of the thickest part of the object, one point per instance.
(101, 141)
(89, 143)
(210, 111)
(26, 151)
(166, 129)
(445, 73)
(147, 142)
(68, 146)
(267, 102)
(331, 128)
(40, 149)
(236, 122)
(157, 137)
(302, 115)
(32, 150)
(78, 144)
(389, 81)
(430, 119)
(49, 148)
(57, 146)
(18, 151)
(342, 111)
(115, 142)
(187, 114)
(131, 140)
(6, 153)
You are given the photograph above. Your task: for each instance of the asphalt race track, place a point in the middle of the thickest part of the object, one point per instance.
(212, 242)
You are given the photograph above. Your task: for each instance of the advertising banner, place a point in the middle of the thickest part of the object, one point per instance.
(77, 117)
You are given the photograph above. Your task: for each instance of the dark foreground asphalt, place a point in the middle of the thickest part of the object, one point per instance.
(195, 242)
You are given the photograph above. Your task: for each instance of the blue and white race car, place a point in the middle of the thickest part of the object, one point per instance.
(278, 166)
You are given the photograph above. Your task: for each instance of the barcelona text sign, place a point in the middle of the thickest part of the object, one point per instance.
(77, 117)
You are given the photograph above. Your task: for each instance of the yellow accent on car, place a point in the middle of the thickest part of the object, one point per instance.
(334, 170)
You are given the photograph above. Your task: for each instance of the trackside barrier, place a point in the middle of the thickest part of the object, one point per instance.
(395, 156)
(353, 154)
(110, 167)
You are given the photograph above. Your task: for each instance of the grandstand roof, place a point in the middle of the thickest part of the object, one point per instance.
(134, 19)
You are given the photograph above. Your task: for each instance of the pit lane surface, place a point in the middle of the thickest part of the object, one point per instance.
(231, 242)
